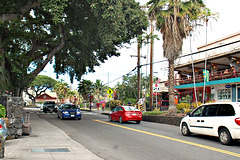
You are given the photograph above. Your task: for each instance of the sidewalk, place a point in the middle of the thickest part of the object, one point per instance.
(46, 142)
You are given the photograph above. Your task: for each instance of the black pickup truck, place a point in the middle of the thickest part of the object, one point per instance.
(49, 106)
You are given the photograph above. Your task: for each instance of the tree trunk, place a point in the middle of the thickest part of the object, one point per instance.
(34, 101)
(172, 108)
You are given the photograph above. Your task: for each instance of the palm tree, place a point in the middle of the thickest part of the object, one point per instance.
(71, 95)
(99, 89)
(61, 88)
(84, 88)
(175, 20)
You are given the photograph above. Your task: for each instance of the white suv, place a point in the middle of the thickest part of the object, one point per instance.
(220, 119)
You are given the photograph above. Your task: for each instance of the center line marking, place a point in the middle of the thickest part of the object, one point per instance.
(174, 139)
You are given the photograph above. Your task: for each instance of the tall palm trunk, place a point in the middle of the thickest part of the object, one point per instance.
(172, 108)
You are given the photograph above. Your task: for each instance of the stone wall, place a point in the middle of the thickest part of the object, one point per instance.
(171, 120)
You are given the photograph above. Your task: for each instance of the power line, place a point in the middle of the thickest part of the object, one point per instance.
(121, 76)
(179, 58)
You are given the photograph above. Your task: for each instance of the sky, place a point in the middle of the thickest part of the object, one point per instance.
(114, 68)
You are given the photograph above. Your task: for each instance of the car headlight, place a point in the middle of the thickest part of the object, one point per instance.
(78, 112)
(65, 112)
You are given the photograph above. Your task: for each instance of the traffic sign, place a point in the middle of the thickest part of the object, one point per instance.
(156, 87)
(110, 91)
(110, 96)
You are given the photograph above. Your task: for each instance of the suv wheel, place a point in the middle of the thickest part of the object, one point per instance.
(224, 136)
(185, 131)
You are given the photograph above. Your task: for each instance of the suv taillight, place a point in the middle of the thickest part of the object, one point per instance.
(1, 126)
(237, 121)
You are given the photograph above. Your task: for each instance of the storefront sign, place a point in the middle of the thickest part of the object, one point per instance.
(227, 86)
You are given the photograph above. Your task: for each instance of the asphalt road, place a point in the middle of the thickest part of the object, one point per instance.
(131, 141)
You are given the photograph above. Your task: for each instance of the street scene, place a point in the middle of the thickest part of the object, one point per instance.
(113, 140)
(113, 80)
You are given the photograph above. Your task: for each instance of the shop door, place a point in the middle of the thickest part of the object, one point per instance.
(238, 94)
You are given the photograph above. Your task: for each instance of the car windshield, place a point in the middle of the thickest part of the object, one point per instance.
(130, 108)
(69, 106)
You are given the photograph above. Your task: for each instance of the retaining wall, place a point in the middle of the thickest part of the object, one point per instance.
(171, 120)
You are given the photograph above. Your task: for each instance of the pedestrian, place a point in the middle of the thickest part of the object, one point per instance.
(129, 103)
(103, 106)
(98, 105)
(91, 106)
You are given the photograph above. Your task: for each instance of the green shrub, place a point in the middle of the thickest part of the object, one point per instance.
(195, 104)
(113, 103)
(179, 106)
(2, 111)
(132, 100)
(81, 105)
(186, 99)
(183, 106)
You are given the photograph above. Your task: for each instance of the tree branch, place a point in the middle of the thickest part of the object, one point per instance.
(51, 54)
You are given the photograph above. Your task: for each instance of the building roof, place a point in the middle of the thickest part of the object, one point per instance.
(222, 60)
(220, 53)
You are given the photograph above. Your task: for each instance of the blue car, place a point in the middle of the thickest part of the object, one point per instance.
(69, 110)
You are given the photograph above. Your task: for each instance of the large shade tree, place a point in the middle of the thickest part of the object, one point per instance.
(74, 35)
(175, 20)
(39, 85)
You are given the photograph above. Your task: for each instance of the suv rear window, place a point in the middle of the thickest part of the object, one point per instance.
(226, 110)
(49, 102)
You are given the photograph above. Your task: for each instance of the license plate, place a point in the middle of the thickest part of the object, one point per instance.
(72, 115)
(134, 114)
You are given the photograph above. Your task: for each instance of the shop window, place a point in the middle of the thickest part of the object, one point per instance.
(223, 94)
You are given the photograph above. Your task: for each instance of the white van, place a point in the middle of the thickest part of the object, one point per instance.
(220, 119)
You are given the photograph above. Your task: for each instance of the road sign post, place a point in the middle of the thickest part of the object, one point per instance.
(110, 92)
(156, 89)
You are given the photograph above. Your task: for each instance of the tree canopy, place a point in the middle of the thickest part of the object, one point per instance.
(74, 35)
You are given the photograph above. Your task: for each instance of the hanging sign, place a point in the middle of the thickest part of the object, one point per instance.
(227, 86)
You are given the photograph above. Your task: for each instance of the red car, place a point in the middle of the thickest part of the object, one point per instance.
(125, 113)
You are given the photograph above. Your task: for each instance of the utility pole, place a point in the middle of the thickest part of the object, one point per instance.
(151, 67)
(138, 67)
